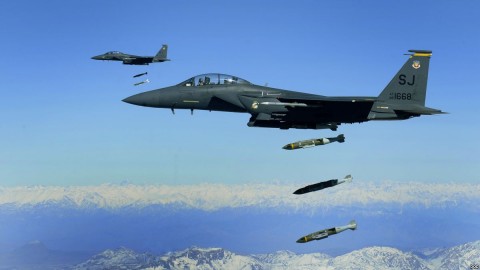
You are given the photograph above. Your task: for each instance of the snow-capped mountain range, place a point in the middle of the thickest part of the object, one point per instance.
(212, 197)
(36, 256)
(459, 257)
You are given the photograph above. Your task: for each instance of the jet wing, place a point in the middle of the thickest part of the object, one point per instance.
(316, 101)
(351, 109)
(137, 60)
(416, 110)
(316, 112)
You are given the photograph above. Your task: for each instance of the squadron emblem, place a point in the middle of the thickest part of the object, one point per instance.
(255, 105)
(416, 64)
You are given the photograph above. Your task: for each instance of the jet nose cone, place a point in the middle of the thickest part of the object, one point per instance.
(147, 99)
(135, 100)
(128, 100)
(98, 57)
(159, 98)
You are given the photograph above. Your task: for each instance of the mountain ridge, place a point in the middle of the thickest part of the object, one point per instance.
(375, 257)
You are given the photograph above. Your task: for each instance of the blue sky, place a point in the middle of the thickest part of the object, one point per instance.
(62, 121)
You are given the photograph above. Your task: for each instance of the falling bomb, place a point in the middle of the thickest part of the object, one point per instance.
(314, 142)
(352, 225)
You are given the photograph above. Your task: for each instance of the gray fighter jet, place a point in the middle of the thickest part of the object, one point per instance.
(402, 98)
(130, 59)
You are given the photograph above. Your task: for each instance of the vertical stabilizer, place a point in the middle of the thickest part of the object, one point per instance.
(161, 55)
(404, 96)
(409, 86)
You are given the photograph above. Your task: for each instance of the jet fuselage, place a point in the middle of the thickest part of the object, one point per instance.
(403, 98)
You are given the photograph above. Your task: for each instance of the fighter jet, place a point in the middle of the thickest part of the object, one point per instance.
(402, 98)
(130, 59)
(322, 185)
(352, 225)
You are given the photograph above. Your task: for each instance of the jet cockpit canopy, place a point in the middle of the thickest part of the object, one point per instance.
(114, 52)
(213, 79)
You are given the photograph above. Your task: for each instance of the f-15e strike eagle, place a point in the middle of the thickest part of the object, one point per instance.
(402, 98)
(130, 59)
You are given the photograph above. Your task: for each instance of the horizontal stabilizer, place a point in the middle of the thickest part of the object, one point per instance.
(416, 109)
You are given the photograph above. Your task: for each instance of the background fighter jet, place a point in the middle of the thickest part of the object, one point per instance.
(402, 98)
(129, 59)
